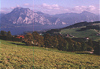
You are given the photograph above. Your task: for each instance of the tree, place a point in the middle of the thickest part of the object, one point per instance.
(77, 46)
(47, 40)
(3, 33)
(9, 36)
(29, 39)
(90, 43)
(71, 47)
(97, 49)
(84, 46)
(71, 44)
(41, 41)
(38, 39)
(54, 41)
(65, 45)
(62, 43)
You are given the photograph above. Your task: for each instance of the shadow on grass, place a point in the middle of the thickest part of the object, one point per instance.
(84, 53)
(82, 29)
(18, 44)
(22, 45)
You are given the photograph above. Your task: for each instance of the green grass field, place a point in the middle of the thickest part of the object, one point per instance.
(15, 55)
(91, 33)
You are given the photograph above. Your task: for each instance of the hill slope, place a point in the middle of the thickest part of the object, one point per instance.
(81, 34)
(17, 55)
(81, 24)
(80, 30)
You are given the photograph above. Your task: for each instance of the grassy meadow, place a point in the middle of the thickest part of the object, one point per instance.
(15, 55)
(91, 33)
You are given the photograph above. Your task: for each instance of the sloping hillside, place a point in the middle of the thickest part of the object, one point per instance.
(81, 24)
(15, 55)
(83, 29)
(76, 33)
(80, 30)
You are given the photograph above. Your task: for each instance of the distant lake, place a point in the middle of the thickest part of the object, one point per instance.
(20, 30)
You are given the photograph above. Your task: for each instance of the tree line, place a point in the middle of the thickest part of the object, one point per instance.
(54, 41)
(61, 43)
(8, 36)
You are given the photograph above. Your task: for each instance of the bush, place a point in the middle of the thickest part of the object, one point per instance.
(97, 50)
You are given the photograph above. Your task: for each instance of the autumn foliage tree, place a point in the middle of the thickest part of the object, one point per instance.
(38, 39)
(29, 39)
(62, 43)
(55, 41)
(47, 40)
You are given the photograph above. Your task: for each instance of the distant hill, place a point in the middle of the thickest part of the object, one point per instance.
(80, 24)
(80, 30)
(71, 18)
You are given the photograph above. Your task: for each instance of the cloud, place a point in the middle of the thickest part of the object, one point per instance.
(90, 8)
(56, 9)
(47, 6)
(5, 10)
(12, 7)
(80, 8)
(49, 9)
(17, 5)
(26, 4)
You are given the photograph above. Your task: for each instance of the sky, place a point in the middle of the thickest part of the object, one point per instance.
(52, 6)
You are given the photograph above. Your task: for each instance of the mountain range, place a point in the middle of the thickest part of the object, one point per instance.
(24, 17)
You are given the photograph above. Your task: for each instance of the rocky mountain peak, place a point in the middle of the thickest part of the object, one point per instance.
(21, 10)
(23, 16)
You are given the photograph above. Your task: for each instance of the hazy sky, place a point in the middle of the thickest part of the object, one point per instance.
(52, 6)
